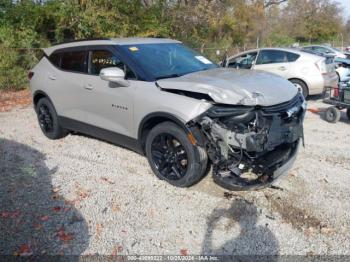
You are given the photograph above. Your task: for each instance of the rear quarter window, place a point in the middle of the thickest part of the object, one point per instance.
(55, 59)
(292, 57)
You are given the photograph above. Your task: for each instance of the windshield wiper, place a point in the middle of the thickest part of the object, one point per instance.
(168, 76)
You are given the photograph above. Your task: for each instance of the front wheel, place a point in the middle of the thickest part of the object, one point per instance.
(348, 113)
(172, 156)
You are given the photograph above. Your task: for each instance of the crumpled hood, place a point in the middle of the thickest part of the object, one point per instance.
(232, 86)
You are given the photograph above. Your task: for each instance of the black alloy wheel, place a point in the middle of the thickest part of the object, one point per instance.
(45, 119)
(169, 156)
(48, 119)
(173, 157)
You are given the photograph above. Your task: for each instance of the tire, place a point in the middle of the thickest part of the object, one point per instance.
(332, 114)
(348, 113)
(301, 86)
(48, 120)
(173, 158)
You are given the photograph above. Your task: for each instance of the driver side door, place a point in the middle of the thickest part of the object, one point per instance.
(245, 61)
(109, 105)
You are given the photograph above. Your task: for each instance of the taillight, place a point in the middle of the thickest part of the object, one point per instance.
(336, 92)
(30, 75)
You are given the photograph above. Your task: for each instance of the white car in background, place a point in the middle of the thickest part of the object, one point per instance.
(343, 69)
(309, 72)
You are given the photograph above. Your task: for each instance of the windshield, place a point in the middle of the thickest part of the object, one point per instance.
(168, 60)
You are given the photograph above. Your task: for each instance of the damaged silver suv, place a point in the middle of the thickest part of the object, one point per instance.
(180, 109)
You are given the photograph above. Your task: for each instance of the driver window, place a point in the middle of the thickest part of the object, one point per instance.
(99, 59)
(322, 49)
(243, 62)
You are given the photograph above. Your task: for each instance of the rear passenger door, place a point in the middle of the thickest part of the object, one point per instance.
(65, 82)
(108, 105)
(273, 61)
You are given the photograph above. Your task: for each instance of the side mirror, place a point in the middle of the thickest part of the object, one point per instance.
(115, 75)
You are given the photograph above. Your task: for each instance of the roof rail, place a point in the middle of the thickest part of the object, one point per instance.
(81, 40)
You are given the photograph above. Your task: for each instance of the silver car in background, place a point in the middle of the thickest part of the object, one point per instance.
(327, 50)
(309, 72)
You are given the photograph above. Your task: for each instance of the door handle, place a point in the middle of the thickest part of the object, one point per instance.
(52, 77)
(282, 68)
(88, 87)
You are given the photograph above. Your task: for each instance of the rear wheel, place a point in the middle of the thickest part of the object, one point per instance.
(348, 113)
(332, 114)
(301, 86)
(48, 120)
(172, 156)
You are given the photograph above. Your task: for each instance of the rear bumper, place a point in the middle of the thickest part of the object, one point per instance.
(330, 80)
(317, 84)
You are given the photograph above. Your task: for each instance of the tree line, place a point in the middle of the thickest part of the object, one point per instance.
(29, 24)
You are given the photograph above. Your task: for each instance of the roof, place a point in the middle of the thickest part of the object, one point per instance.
(111, 41)
(293, 50)
(325, 46)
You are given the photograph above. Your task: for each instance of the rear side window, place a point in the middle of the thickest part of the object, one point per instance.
(74, 61)
(321, 49)
(271, 57)
(55, 58)
(291, 57)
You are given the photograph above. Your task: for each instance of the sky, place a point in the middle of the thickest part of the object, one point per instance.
(346, 5)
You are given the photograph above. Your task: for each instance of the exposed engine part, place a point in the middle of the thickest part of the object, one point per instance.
(246, 144)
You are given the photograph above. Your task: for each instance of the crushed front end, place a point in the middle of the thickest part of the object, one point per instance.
(250, 146)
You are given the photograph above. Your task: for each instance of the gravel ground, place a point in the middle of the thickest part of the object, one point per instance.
(80, 195)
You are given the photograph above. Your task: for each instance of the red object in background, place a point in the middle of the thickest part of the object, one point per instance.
(336, 92)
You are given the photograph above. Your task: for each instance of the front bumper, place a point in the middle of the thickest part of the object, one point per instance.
(286, 166)
(251, 147)
(280, 169)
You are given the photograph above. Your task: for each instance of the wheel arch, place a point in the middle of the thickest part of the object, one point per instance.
(39, 94)
(301, 80)
(153, 119)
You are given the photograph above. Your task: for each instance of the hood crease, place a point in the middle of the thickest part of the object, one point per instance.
(235, 86)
